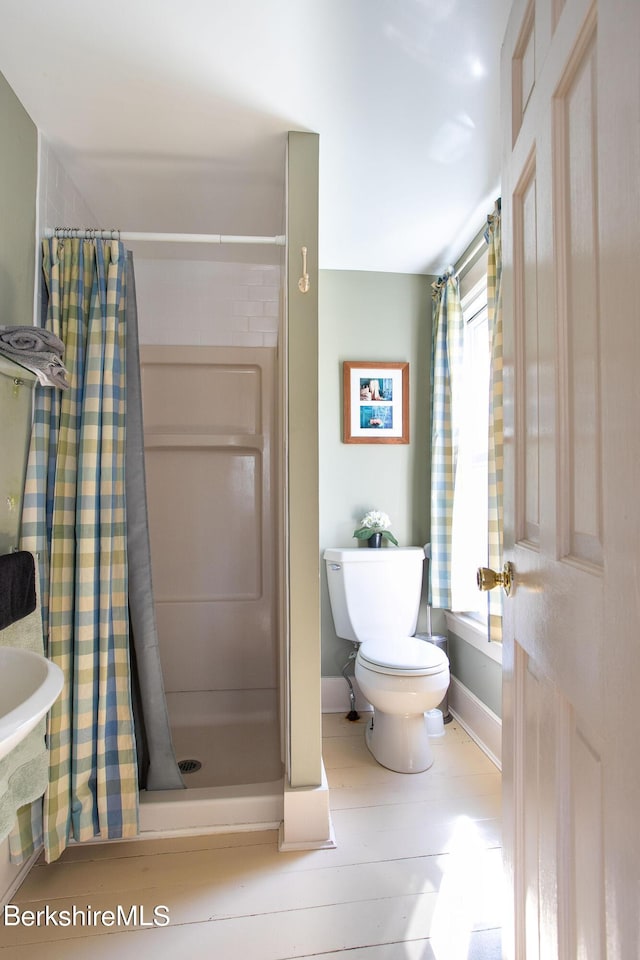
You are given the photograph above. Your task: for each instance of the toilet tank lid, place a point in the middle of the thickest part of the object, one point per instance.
(365, 555)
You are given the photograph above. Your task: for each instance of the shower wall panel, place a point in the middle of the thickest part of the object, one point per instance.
(208, 415)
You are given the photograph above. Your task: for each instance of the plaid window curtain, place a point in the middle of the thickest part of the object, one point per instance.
(493, 235)
(446, 366)
(74, 516)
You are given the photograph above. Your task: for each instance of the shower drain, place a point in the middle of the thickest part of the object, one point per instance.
(189, 766)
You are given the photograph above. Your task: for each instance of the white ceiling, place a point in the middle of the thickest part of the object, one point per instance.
(171, 115)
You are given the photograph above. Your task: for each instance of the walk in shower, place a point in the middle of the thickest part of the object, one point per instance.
(208, 356)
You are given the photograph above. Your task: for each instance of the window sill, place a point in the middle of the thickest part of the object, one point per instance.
(474, 633)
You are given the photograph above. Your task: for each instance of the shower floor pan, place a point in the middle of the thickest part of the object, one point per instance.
(238, 784)
(237, 751)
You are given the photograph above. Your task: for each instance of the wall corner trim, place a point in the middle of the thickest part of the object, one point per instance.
(307, 819)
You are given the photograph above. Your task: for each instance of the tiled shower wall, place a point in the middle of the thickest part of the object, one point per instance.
(60, 204)
(199, 302)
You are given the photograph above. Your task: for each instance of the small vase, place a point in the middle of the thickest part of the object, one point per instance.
(375, 540)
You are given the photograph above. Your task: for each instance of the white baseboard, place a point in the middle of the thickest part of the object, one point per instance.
(335, 695)
(481, 723)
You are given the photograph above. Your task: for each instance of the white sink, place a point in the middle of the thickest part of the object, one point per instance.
(29, 684)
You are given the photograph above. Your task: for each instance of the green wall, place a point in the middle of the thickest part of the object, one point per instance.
(18, 180)
(371, 316)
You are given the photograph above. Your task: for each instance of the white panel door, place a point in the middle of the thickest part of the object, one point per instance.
(571, 249)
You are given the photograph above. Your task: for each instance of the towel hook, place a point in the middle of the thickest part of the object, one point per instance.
(303, 282)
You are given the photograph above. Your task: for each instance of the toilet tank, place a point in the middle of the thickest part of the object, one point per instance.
(374, 594)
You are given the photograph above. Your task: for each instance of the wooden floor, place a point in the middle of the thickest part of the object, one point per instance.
(416, 875)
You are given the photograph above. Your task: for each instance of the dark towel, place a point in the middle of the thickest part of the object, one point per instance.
(17, 587)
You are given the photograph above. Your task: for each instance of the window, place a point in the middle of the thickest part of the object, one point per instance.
(470, 401)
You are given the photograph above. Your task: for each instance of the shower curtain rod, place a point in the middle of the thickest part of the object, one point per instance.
(89, 234)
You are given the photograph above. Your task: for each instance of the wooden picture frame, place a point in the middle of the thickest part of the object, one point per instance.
(375, 402)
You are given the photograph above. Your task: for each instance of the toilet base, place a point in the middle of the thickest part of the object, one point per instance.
(399, 743)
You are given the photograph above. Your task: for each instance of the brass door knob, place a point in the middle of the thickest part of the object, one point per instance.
(487, 578)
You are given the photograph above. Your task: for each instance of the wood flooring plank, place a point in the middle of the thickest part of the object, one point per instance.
(114, 850)
(345, 757)
(418, 816)
(482, 945)
(404, 790)
(272, 936)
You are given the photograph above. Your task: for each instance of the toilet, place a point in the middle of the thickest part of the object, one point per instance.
(375, 597)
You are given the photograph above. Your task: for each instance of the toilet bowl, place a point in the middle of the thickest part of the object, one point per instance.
(402, 679)
(375, 597)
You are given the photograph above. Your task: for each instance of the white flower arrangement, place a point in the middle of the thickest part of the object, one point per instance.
(375, 521)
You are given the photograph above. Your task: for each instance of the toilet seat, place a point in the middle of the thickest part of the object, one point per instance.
(403, 657)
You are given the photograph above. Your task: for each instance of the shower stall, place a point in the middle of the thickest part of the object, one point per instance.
(209, 333)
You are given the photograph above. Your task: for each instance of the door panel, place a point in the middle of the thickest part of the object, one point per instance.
(577, 258)
(571, 249)
(587, 845)
(528, 433)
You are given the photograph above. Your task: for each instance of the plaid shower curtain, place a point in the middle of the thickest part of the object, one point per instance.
(493, 236)
(74, 516)
(446, 367)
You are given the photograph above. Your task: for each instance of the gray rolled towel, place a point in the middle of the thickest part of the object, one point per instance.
(47, 366)
(31, 340)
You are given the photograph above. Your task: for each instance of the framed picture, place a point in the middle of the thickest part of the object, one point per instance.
(376, 402)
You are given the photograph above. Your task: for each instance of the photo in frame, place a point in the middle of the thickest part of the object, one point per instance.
(375, 402)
